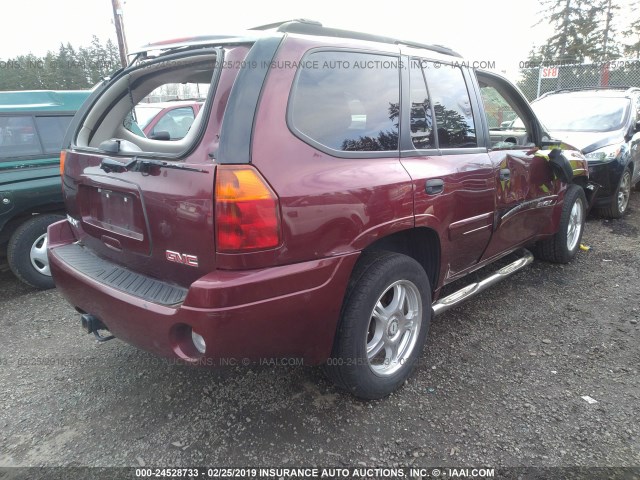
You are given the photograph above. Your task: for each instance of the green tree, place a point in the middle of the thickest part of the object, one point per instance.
(584, 30)
(603, 38)
(632, 33)
(65, 69)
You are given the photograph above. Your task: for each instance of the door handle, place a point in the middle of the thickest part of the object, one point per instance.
(111, 165)
(505, 174)
(434, 186)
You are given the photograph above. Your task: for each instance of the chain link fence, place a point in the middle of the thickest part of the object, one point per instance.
(547, 77)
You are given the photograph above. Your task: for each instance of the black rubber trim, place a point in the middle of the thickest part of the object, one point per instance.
(118, 277)
(237, 123)
(315, 28)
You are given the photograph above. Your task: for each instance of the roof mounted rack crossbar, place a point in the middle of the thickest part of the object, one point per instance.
(311, 27)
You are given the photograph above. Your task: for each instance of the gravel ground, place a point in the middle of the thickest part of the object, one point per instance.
(500, 383)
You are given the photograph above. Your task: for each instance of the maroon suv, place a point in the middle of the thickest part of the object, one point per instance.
(332, 183)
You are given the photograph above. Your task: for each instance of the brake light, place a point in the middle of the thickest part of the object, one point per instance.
(247, 210)
(63, 157)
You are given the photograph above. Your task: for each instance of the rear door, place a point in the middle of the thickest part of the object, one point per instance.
(155, 219)
(145, 204)
(454, 188)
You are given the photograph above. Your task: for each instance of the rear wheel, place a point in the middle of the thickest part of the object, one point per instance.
(384, 325)
(27, 251)
(563, 246)
(620, 200)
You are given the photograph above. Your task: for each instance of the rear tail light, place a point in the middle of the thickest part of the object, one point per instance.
(63, 157)
(247, 210)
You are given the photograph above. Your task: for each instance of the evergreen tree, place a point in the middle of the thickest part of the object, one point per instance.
(574, 22)
(65, 69)
(603, 38)
(632, 33)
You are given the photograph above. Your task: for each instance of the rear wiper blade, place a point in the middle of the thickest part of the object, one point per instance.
(143, 166)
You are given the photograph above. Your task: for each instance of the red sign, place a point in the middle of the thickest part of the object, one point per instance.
(549, 72)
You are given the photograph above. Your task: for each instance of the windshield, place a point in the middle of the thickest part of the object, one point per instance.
(144, 115)
(580, 113)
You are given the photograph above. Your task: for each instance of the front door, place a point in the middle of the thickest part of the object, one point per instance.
(525, 187)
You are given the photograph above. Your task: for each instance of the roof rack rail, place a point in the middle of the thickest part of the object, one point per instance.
(269, 26)
(311, 27)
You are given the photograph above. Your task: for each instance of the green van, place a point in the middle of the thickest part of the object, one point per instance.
(32, 128)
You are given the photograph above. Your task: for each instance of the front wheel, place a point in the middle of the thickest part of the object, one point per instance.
(620, 200)
(563, 246)
(383, 327)
(27, 252)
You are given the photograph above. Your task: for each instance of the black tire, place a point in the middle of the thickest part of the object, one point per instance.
(32, 271)
(620, 199)
(379, 273)
(563, 246)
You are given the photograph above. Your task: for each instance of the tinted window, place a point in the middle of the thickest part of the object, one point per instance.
(421, 120)
(348, 101)
(177, 122)
(18, 137)
(452, 107)
(52, 130)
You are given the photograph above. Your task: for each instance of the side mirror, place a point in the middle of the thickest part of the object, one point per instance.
(547, 141)
(162, 135)
(638, 126)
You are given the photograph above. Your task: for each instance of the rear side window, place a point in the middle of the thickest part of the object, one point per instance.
(347, 101)
(52, 130)
(18, 137)
(452, 106)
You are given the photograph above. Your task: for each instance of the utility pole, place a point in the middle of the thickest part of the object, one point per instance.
(604, 73)
(563, 45)
(119, 23)
(607, 26)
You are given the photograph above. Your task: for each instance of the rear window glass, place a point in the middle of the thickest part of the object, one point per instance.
(52, 130)
(348, 101)
(452, 106)
(18, 137)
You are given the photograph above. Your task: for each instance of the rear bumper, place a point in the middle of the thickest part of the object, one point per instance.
(282, 312)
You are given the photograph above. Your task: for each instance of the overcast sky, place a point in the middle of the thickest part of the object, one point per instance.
(489, 30)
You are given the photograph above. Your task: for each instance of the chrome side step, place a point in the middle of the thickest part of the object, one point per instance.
(469, 291)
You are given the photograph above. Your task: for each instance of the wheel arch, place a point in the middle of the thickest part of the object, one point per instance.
(420, 243)
(18, 218)
(589, 188)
